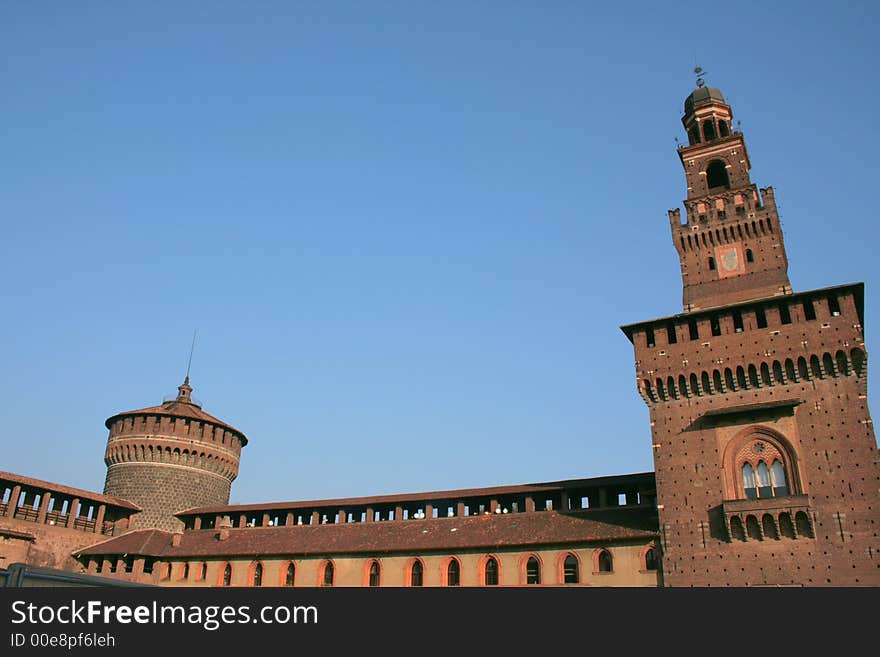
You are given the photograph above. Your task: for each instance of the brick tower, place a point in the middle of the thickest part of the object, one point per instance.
(170, 458)
(767, 467)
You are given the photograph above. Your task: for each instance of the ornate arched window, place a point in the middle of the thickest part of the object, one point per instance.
(327, 579)
(765, 468)
(290, 575)
(227, 575)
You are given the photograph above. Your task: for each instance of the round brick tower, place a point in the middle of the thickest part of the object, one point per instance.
(170, 458)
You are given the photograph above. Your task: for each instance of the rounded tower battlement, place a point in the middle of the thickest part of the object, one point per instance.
(169, 458)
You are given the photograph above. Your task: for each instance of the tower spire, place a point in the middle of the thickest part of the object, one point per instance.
(184, 391)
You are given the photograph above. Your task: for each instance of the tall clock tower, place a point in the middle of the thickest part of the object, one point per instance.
(767, 467)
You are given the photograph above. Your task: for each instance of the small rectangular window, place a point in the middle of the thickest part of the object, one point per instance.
(834, 306)
(716, 325)
(649, 336)
(692, 328)
(784, 314)
(670, 333)
(761, 317)
(737, 321)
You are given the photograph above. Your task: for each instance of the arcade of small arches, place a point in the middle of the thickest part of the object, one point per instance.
(722, 197)
(708, 129)
(755, 376)
(747, 527)
(568, 567)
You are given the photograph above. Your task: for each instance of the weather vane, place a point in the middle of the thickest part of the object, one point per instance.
(698, 71)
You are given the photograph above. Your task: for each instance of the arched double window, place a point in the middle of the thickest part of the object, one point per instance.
(416, 573)
(290, 575)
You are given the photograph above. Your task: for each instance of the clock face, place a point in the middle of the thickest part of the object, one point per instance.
(730, 261)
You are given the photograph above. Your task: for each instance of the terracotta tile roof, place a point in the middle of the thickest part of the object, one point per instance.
(646, 478)
(433, 534)
(10, 477)
(142, 541)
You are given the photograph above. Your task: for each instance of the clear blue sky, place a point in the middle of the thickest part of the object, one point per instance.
(407, 233)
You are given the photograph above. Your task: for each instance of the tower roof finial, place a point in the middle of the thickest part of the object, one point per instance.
(699, 72)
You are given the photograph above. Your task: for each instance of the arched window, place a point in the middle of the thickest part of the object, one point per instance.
(716, 379)
(571, 570)
(704, 379)
(765, 374)
(723, 129)
(290, 575)
(682, 387)
(716, 175)
(184, 571)
(748, 474)
(227, 575)
(491, 572)
(780, 484)
(257, 579)
(694, 135)
(604, 562)
(695, 386)
(453, 573)
(765, 489)
(415, 576)
(740, 376)
(651, 559)
(327, 579)
(533, 571)
(709, 129)
(203, 570)
(753, 377)
(374, 574)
